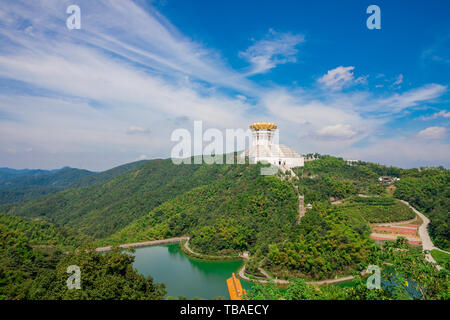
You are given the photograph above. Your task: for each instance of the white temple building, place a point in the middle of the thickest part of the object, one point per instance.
(263, 148)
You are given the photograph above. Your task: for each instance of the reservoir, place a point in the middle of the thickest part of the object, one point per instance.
(184, 276)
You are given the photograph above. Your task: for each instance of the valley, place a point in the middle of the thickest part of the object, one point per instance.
(228, 211)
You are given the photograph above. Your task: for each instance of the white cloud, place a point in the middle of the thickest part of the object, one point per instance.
(432, 133)
(99, 90)
(362, 79)
(137, 130)
(308, 124)
(337, 131)
(407, 151)
(341, 77)
(276, 48)
(438, 52)
(413, 97)
(442, 113)
(338, 78)
(164, 50)
(398, 80)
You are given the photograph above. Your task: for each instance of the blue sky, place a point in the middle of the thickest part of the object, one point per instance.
(114, 91)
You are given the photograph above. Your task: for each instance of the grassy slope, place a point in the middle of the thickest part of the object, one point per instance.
(442, 258)
(377, 209)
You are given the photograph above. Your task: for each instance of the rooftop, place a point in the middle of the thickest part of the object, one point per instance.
(263, 126)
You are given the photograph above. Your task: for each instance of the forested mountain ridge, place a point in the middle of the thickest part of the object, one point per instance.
(237, 210)
(59, 178)
(226, 209)
(8, 173)
(21, 185)
(104, 208)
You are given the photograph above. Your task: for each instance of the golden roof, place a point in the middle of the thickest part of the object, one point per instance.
(263, 126)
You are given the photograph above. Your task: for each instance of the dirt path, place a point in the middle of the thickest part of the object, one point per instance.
(186, 246)
(301, 198)
(242, 275)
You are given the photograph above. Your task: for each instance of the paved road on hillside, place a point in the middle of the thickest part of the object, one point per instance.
(427, 244)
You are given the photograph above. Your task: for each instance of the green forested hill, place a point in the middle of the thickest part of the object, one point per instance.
(33, 265)
(238, 211)
(333, 177)
(22, 185)
(103, 176)
(9, 174)
(104, 208)
(16, 231)
(227, 209)
(60, 178)
(429, 191)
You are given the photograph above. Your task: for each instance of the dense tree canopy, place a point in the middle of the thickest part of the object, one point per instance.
(429, 191)
(405, 274)
(225, 209)
(34, 261)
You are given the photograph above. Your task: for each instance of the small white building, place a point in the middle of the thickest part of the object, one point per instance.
(350, 162)
(263, 148)
(388, 179)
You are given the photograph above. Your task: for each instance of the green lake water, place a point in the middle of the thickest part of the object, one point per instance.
(184, 276)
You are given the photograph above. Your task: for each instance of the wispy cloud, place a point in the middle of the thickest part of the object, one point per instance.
(407, 151)
(398, 80)
(413, 97)
(337, 131)
(137, 130)
(276, 48)
(341, 77)
(438, 52)
(122, 83)
(432, 133)
(436, 115)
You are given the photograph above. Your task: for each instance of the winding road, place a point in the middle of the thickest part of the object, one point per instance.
(427, 244)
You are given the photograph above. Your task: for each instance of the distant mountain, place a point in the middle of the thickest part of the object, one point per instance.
(56, 178)
(9, 174)
(22, 185)
(105, 207)
(91, 179)
(157, 198)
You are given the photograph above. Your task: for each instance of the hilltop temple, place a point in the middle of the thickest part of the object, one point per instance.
(263, 148)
